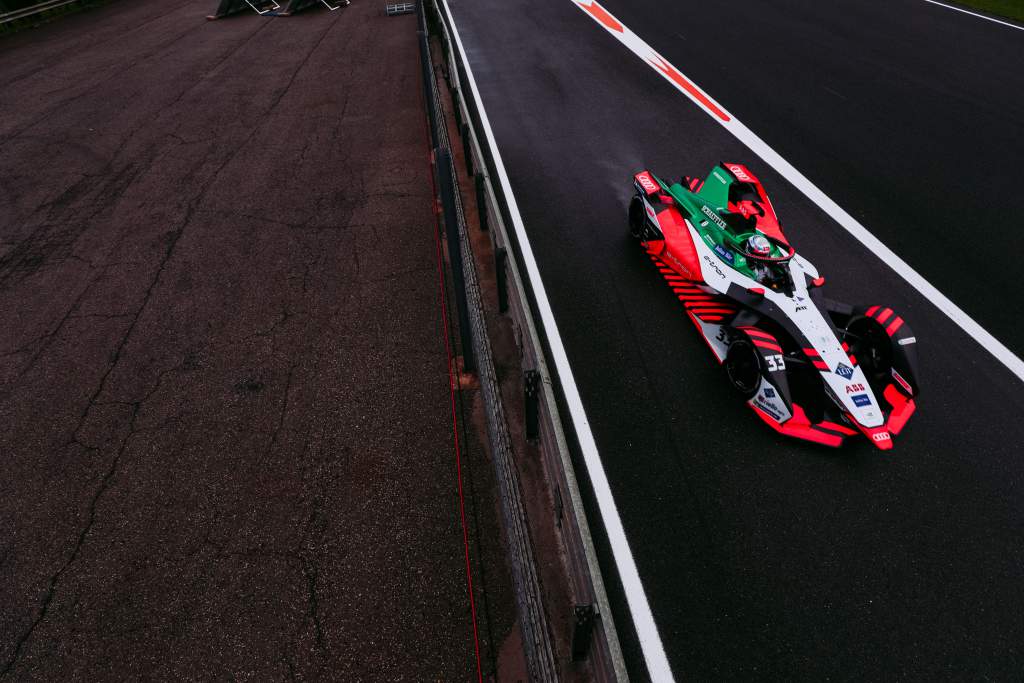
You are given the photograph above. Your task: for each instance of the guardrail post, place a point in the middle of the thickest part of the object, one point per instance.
(531, 386)
(467, 150)
(481, 200)
(456, 109)
(501, 277)
(582, 631)
(446, 184)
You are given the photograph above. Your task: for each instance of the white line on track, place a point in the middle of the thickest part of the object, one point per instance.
(639, 608)
(975, 14)
(717, 112)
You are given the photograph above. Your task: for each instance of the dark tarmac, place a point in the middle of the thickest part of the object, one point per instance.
(225, 409)
(765, 558)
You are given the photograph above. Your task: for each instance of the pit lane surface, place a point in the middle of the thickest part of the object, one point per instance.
(762, 556)
(226, 415)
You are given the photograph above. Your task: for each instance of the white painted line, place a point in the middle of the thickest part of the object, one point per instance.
(975, 14)
(639, 608)
(717, 112)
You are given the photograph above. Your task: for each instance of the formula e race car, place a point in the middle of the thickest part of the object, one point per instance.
(810, 367)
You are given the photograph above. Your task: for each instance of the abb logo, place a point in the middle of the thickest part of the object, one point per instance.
(740, 174)
(854, 388)
(646, 182)
(881, 436)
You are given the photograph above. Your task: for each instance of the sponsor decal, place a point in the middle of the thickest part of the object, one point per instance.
(646, 182)
(881, 436)
(650, 212)
(738, 172)
(769, 392)
(861, 400)
(718, 176)
(767, 407)
(715, 266)
(844, 371)
(799, 308)
(715, 218)
(902, 382)
(724, 253)
(686, 271)
(854, 388)
(908, 340)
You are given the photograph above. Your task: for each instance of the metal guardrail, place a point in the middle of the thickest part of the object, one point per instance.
(477, 354)
(26, 12)
(594, 635)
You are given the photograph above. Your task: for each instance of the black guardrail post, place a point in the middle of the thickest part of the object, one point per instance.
(446, 184)
(467, 148)
(531, 386)
(481, 200)
(582, 631)
(501, 277)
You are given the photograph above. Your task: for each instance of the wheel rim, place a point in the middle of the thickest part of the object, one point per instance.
(743, 367)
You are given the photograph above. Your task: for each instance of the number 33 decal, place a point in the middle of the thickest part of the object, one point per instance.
(775, 363)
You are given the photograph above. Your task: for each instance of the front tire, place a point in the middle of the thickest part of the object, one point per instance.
(743, 368)
(872, 348)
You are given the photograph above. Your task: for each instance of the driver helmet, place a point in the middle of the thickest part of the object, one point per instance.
(759, 245)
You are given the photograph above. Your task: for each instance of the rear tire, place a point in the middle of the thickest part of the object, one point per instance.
(637, 216)
(743, 367)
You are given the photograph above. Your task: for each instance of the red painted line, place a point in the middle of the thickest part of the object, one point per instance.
(606, 20)
(452, 383)
(664, 67)
(884, 315)
(894, 325)
(871, 311)
(811, 353)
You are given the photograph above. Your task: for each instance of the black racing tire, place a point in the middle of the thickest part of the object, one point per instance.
(871, 346)
(743, 367)
(637, 216)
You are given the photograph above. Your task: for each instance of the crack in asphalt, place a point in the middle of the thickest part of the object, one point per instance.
(175, 237)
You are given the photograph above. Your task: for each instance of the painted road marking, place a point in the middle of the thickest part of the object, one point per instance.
(975, 14)
(636, 597)
(720, 114)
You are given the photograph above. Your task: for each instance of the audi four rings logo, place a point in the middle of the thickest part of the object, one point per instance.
(881, 436)
(738, 172)
(646, 182)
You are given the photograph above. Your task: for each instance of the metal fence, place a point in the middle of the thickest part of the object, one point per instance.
(13, 10)
(594, 636)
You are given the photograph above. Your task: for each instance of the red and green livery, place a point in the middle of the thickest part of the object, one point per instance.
(809, 366)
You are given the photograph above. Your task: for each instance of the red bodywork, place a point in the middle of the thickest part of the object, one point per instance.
(676, 259)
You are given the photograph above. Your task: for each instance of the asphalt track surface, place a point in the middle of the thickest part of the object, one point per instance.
(225, 404)
(764, 557)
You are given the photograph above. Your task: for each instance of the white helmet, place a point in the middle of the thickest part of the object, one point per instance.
(758, 245)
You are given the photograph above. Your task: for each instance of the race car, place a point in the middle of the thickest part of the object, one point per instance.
(810, 367)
